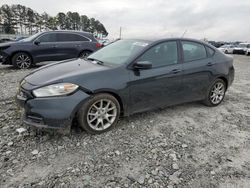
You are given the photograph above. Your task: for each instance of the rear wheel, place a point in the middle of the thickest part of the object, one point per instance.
(216, 93)
(22, 60)
(99, 114)
(226, 52)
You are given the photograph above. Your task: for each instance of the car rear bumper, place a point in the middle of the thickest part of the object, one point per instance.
(51, 112)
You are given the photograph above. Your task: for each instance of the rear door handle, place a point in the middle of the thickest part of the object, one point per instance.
(210, 64)
(55, 46)
(175, 71)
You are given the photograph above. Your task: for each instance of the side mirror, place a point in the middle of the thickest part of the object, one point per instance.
(37, 42)
(143, 65)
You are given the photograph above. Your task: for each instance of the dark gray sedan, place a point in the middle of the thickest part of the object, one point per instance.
(126, 77)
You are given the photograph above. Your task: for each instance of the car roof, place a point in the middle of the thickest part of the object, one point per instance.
(162, 39)
(154, 40)
(69, 31)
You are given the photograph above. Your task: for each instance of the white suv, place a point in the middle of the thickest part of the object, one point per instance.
(227, 48)
(242, 48)
(247, 51)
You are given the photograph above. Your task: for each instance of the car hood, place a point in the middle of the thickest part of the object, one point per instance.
(11, 43)
(6, 44)
(57, 72)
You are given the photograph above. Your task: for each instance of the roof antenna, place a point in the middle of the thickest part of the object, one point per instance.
(184, 33)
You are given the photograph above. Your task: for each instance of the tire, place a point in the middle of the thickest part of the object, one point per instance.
(226, 52)
(84, 54)
(22, 60)
(215, 96)
(94, 119)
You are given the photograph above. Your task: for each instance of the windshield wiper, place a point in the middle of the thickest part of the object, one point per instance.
(96, 60)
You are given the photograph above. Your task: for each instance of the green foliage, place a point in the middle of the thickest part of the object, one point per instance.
(18, 18)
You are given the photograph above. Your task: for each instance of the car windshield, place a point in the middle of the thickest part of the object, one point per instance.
(118, 52)
(31, 38)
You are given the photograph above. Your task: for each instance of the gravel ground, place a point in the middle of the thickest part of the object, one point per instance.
(188, 145)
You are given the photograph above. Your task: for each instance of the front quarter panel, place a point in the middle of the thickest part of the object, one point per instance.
(19, 47)
(113, 80)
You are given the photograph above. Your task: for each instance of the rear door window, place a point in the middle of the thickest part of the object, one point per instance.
(210, 51)
(193, 51)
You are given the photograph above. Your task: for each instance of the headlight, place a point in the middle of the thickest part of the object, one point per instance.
(55, 90)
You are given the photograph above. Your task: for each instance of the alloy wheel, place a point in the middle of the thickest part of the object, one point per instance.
(217, 93)
(23, 61)
(102, 114)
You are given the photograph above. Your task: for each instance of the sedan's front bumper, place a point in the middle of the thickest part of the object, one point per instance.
(51, 112)
(4, 58)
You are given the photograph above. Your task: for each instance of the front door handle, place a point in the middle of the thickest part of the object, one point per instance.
(175, 71)
(55, 46)
(210, 64)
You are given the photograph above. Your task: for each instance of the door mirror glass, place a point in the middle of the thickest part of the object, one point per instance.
(143, 65)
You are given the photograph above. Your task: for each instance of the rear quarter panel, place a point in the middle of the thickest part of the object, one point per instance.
(223, 66)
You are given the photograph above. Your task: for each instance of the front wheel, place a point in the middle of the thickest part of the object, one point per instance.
(216, 93)
(99, 114)
(21, 60)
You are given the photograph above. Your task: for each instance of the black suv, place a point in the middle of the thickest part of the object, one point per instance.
(48, 46)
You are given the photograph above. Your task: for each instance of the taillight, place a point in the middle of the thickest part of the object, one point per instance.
(99, 45)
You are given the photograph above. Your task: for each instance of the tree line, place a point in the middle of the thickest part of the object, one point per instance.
(19, 19)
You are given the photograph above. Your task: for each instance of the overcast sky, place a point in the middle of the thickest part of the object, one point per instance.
(212, 19)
